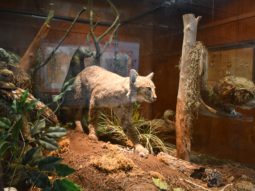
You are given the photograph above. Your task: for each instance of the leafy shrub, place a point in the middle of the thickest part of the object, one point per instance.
(22, 142)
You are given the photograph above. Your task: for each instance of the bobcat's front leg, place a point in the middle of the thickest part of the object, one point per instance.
(92, 121)
(133, 136)
(125, 116)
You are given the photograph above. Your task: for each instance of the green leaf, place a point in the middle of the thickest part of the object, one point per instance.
(48, 163)
(23, 97)
(56, 129)
(65, 185)
(4, 146)
(68, 84)
(38, 126)
(14, 106)
(162, 185)
(58, 97)
(29, 155)
(29, 106)
(178, 189)
(5, 123)
(47, 189)
(63, 170)
(39, 179)
(48, 143)
(56, 134)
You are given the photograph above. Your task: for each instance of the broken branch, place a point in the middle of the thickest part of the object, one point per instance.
(112, 29)
(28, 58)
(62, 39)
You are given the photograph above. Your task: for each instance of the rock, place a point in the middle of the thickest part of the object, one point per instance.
(244, 186)
(213, 178)
(236, 91)
(142, 187)
(10, 189)
(230, 179)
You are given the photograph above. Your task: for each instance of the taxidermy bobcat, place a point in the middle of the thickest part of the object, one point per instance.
(100, 88)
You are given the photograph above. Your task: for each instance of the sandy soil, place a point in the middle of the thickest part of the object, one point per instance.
(106, 167)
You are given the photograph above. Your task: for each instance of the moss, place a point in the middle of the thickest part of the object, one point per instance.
(235, 90)
(112, 161)
(10, 61)
(194, 80)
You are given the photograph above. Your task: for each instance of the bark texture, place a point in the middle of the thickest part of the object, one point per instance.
(188, 91)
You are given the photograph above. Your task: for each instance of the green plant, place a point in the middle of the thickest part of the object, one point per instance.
(161, 184)
(110, 125)
(67, 87)
(178, 189)
(22, 141)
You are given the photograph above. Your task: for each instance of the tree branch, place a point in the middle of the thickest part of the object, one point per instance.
(61, 40)
(28, 58)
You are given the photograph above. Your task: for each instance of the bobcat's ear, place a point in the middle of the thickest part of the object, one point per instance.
(133, 75)
(150, 76)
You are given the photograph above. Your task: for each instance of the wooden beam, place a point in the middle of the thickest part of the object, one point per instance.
(228, 20)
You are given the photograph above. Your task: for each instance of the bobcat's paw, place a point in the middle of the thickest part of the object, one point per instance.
(143, 152)
(78, 126)
(93, 137)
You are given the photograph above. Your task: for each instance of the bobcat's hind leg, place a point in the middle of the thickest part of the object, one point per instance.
(125, 116)
(78, 120)
(92, 122)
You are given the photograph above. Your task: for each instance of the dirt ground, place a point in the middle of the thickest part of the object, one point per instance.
(103, 166)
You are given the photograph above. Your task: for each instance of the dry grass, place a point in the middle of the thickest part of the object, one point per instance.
(110, 126)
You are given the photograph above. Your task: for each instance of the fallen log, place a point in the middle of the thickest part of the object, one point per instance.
(212, 177)
(175, 163)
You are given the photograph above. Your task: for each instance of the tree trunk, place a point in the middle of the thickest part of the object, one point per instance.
(185, 115)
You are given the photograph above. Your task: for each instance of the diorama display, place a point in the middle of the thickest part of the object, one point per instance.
(73, 117)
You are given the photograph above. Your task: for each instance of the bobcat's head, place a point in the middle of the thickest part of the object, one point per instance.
(142, 89)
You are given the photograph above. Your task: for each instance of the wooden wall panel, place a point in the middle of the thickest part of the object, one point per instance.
(238, 62)
(229, 138)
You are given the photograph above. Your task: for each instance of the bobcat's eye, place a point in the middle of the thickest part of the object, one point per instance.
(148, 88)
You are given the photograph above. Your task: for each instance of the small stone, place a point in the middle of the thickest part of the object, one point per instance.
(244, 177)
(142, 186)
(244, 186)
(10, 189)
(156, 175)
(231, 179)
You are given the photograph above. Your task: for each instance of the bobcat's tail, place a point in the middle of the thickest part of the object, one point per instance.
(77, 64)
